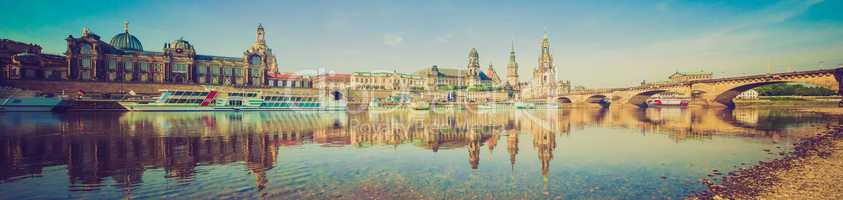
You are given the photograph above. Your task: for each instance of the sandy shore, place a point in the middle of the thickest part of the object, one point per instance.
(813, 170)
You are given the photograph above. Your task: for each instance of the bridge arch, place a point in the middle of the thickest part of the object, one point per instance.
(640, 99)
(603, 100)
(564, 100)
(727, 96)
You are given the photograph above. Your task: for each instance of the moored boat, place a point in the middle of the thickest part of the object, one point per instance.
(667, 102)
(522, 105)
(16, 100)
(183, 100)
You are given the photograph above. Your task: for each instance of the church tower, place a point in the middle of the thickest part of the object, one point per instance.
(473, 73)
(545, 73)
(544, 76)
(259, 59)
(260, 35)
(512, 69)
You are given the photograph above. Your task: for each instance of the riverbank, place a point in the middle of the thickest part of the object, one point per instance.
(785, 103)
(813, 170)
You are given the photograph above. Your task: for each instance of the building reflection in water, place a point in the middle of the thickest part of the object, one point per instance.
(121, 146)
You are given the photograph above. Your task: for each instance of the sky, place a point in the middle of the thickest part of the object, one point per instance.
(593, 43)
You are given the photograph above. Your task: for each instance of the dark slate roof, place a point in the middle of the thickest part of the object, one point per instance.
(484, 77)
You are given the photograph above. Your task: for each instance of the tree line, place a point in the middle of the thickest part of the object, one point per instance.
(784, 89)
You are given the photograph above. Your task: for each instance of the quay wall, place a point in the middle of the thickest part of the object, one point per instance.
(92, 88)
(95, 88)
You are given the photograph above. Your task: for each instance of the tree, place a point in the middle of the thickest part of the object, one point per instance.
(784, 89)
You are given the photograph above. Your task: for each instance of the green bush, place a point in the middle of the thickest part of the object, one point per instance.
(784, 89)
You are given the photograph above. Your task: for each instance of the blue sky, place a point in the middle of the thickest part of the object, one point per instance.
(594, 43)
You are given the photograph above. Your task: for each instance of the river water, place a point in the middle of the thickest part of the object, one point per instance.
(441, 154)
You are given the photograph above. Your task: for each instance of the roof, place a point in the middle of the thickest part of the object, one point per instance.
(484, 77)
(450, 72)
(403, 75)
(285, 76)
(126, 41)
(335, 77)
(491, 73)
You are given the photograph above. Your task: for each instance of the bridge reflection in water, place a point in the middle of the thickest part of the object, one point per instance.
(99, 148)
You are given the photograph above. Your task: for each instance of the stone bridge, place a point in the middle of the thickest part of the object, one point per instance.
(707, 93)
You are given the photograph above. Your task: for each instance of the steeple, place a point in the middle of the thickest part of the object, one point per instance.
(473, 66)
(545, 72)
(512, 67)
(126, 26)
(260, 34)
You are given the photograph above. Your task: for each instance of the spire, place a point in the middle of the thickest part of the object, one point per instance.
(85, 31)
(260, 34)
(126, 26)
(545, 42)
(512, 67)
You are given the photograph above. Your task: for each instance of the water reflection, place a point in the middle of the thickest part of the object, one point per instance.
(98, 148)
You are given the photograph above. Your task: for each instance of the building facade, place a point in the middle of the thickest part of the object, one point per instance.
(386, 81)
(289, 80)
(684, 77)
(544, 82)
(124, 59)
(438, 78)
(332, 81)
(25, 61)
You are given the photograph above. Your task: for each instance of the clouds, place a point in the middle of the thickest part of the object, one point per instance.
(392, 40)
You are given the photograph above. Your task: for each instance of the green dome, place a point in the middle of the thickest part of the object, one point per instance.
(126, 41)
(182, 44)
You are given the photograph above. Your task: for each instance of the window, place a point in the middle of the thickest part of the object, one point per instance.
(86, 76)
(202, 69)
(255, 60)
(112, 65)
(86, 63)
(128, 66)
(228, 71)
(85, 49)
(238, 72)
(255, 72)
(180, 68)
(144, 67)
(215, 70)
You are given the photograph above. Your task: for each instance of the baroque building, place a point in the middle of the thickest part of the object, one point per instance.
(544, 76)
(25, 61)
(124, 59)
(684, 77)
(386, 81)
(544, 83)
(437, 77)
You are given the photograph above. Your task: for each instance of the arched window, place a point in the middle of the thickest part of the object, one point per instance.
(255, 60)
(85, 49)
